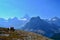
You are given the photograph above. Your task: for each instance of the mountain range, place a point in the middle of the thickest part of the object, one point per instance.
(41, 26)
(14, 22)
(55, 20)
(35, 24)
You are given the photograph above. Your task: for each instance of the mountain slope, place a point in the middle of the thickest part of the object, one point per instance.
(55, 20)
(56, 36)
(19, 35)
(15, 22)
(40, 26)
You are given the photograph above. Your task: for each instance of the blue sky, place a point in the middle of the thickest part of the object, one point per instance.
(18, 8)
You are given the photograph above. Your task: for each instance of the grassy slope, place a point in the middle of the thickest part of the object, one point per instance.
(18, 34)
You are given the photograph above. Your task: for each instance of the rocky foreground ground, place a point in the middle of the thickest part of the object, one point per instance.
(6, 34)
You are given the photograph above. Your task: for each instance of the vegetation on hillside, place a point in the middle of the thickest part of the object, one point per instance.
(12, 34)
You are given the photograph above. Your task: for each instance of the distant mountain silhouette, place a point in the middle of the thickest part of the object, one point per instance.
(40, 26)
(15, 22)
(27, 16)
(55, 20)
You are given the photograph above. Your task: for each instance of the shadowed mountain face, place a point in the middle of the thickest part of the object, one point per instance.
(40, 26)
(56, 36)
